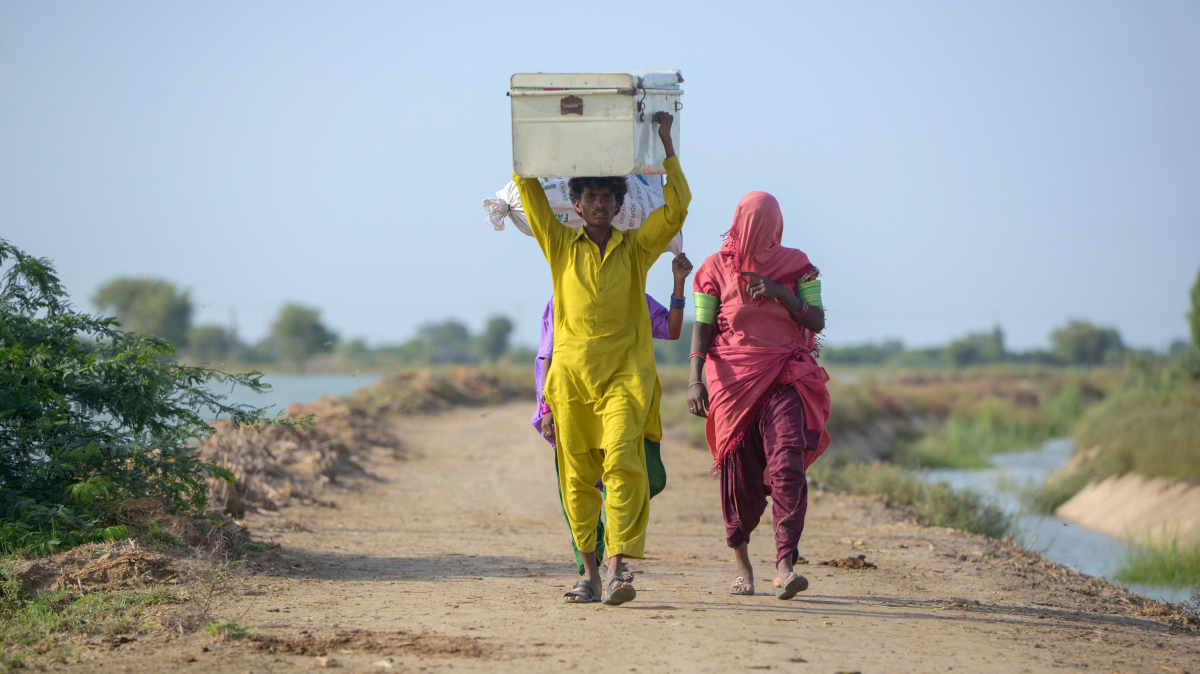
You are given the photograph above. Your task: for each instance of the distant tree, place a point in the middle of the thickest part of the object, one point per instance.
(1194, 315)
(208, 343)
(412, 351)
(963, 352)
(264, 351)
(352, 348)
(493, 343)
(449, 333)
(870, 353)
(299, 334)
(148, 307)
(447, 342)
(1082, 343)
(977, 347)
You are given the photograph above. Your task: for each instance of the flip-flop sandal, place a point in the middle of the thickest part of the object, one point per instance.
(741, 586)
(584, 590)
(794, 586)
(626, 574)
(617, 596)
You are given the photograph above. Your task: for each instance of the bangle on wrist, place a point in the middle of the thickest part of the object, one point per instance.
(694, 383)
(677, 302)
(803, 310)
(697, 353)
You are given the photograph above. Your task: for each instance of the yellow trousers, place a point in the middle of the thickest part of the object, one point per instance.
(620, 463)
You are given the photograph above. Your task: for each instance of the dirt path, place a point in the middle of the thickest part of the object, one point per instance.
(456, 560)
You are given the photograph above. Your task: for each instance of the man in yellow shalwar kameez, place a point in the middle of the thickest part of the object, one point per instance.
(603, 381)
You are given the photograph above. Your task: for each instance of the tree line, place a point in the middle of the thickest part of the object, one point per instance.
(157, 308)
(1076, 343)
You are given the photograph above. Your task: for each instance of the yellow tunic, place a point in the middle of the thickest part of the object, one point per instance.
(603, 382)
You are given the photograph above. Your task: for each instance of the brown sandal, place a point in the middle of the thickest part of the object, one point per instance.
(794, 585)
(741, 586)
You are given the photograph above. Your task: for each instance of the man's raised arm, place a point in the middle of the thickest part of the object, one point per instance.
(549, 232)
(665, 222)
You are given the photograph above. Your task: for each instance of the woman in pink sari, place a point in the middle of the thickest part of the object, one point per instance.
(758, 311)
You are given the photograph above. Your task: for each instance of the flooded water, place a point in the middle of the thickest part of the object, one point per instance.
(1058, 539)
(298, 388)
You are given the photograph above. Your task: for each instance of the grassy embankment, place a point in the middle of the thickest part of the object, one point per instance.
(949, 419)
(1151, 427)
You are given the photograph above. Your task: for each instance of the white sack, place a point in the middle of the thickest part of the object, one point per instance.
(644, 195)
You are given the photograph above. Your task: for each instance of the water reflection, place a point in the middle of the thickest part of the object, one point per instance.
(296, 388)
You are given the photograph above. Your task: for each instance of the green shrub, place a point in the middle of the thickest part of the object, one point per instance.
(1150, 428)
(1045, 498)
(938, 504)
(980, 428)
(91, 415)
(1173, 564)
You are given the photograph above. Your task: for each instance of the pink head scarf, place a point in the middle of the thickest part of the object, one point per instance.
(753, 242)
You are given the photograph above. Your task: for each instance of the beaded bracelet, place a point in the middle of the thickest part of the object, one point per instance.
(677, 302)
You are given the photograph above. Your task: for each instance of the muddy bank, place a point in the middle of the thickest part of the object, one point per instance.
(1134, 508)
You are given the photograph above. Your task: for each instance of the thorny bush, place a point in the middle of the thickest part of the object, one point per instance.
(91, 415)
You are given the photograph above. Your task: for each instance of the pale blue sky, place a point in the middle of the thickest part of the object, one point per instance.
(947, 165)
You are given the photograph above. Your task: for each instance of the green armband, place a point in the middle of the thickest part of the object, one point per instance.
(810, 293)
(706, 308)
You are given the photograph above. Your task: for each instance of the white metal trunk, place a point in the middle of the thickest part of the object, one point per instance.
(592, 124)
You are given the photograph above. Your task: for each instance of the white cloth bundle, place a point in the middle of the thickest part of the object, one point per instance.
(644, 195)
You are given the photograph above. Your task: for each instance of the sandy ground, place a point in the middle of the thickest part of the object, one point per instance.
(456, 560)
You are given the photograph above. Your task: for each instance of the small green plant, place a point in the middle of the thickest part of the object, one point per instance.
(251, 546)
(161, 537)
(1172, 563)
(42, 625)
(1045, 498)
(226, 629)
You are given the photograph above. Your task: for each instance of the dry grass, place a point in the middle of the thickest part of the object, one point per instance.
(275, 464)
(430, 390)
